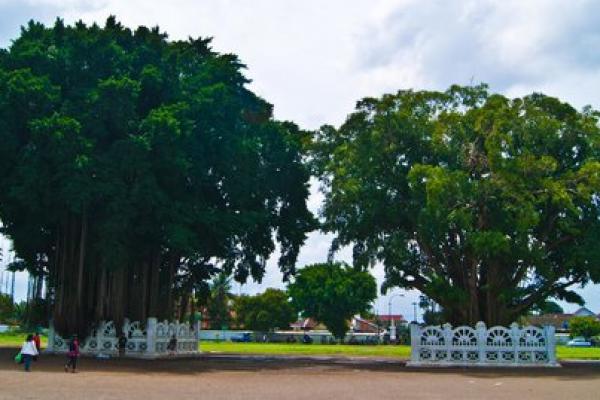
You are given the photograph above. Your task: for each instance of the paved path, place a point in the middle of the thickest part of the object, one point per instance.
(229, 377)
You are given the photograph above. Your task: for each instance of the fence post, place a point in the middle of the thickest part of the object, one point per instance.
(415, 341)
(481, 330)
(197, 328)
(515, 332)
(151, 337)
(100, 338)
(448, 346)
(550, 344)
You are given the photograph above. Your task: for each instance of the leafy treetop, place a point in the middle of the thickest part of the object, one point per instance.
(487, 205)
(332, 293)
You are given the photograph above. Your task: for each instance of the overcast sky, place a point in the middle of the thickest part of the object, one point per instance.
(314, 59)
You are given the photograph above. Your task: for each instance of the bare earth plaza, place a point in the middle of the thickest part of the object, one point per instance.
(299, 200)
(247, 378)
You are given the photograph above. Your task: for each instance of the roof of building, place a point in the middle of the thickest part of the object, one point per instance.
(390, 317)
(556, 320)
(365, 321)
(584, 312)
(304, 323)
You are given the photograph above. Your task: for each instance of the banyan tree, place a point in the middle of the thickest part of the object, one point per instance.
(133, 168)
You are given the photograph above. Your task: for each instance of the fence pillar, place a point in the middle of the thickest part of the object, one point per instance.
(550, 343)
(515, 333)
(415, 341)
(197, 328)
(447, 333)
(481, 330)
(151, 337)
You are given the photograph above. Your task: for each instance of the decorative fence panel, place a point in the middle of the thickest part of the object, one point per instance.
(148, 340)
(496, 346)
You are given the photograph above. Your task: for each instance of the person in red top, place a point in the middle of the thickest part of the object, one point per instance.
(72, 354)
(37, 341)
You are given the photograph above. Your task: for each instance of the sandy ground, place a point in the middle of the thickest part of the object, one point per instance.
(230, 377)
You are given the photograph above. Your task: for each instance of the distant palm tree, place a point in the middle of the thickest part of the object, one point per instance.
(218, 304)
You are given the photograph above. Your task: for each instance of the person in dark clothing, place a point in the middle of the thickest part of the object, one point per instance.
(172, 346)
(306, 339)
(72, 355)
(122, 345)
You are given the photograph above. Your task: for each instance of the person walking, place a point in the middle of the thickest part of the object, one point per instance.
(38, 343)
(172, 346)
(122, 345)
(28, 351)
(72, 355)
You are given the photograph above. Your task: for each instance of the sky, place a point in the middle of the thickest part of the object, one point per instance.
(314, 59)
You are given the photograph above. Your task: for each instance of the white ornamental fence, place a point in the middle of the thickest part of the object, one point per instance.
(144, 341)
(480, 346)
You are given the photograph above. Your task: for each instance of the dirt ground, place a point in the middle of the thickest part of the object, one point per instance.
(231, 377)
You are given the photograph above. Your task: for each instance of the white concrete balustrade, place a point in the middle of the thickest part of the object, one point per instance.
(480, 346)
(143, 341)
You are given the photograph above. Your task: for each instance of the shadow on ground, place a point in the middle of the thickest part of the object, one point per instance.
(206, 363)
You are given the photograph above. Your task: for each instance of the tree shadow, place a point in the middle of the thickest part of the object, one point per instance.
(207, 363)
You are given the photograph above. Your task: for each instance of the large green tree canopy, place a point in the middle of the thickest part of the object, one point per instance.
(487, 205)
(333, 293)
(132, 167)
(265, 311)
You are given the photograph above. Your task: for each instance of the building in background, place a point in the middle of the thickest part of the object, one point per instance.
(559, 321)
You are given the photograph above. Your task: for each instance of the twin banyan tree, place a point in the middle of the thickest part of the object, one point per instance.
(133, 168)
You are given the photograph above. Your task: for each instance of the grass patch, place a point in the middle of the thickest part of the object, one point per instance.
(400, 352)
(10, 339)
(306, 349)
(577, 353)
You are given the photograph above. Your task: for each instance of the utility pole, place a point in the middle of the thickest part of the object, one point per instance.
(392, 324)
(1, 270)
(415, 306)
(12, 288)
(12, 285)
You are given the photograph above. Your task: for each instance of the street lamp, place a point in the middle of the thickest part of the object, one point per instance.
(392, 326)
(415, 306)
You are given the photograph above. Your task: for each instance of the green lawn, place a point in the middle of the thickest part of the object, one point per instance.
(401, 352)
(306, 349)
(577, 353)
(15, 339)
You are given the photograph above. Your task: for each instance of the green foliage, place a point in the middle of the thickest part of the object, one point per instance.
(586, 327)
(548, 307)
(433, 317)
(36, 314)
(7, 308)
(432, 314)
(134, 168)
(218, 309)
(265, 312)
(332, 293)
(403, 334)
(488, 205)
